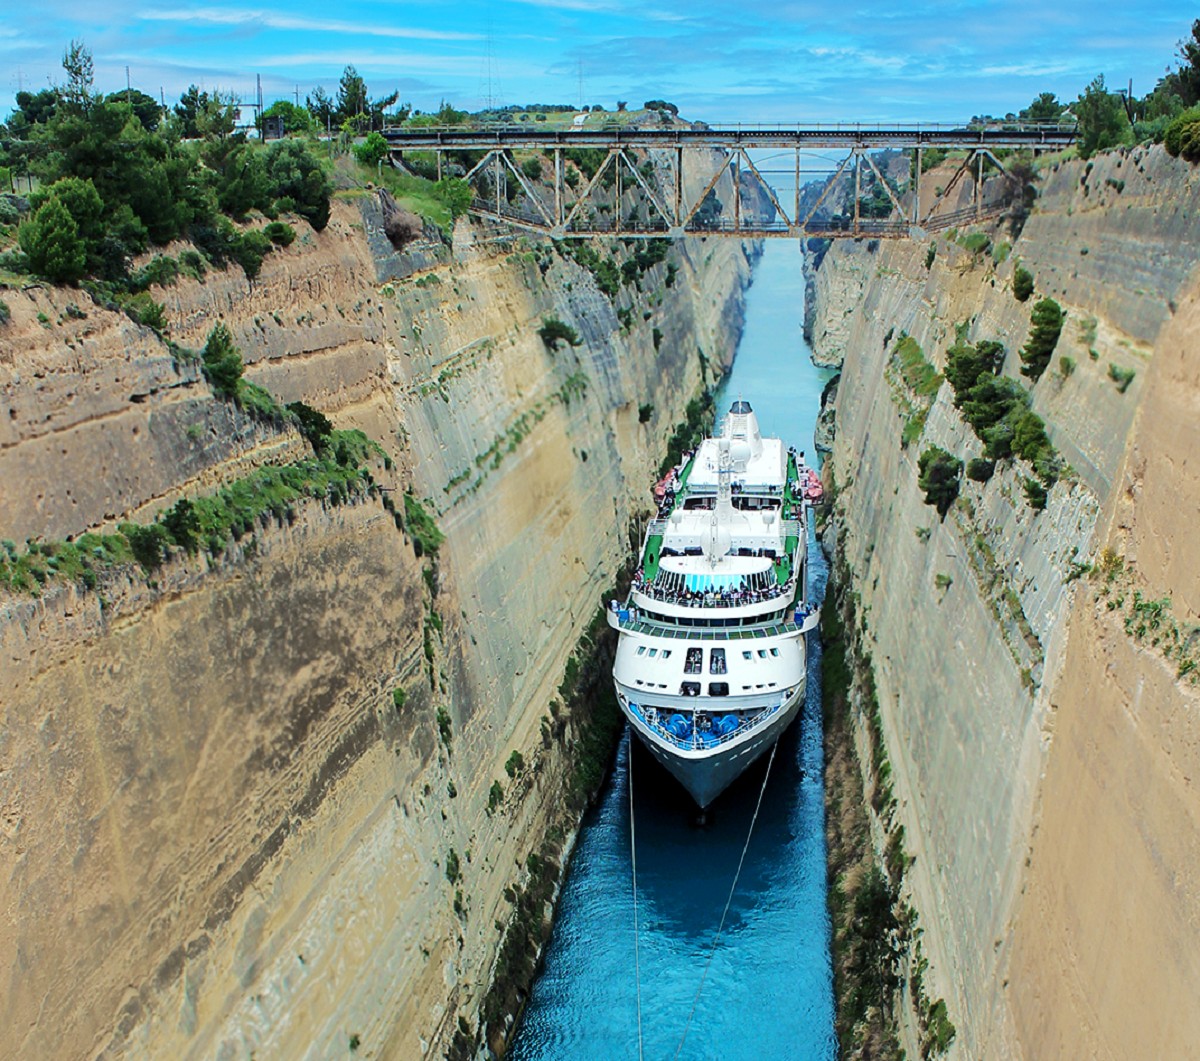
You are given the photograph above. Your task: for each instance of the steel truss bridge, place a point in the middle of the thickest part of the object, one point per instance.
(664, 196)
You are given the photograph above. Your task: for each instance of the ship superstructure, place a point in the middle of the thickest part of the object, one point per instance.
(710, 667)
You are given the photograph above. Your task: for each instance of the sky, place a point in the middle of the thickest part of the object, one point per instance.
(789, 61)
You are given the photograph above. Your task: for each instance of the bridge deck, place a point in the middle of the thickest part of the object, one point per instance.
(845, 136)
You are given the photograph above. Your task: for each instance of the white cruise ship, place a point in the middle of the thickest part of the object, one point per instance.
(710, 666)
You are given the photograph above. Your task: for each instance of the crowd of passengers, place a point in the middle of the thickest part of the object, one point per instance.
(722, 598)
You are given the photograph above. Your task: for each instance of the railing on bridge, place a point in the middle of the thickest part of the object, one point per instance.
(642, 190)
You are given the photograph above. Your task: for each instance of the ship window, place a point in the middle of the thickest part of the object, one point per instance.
(694, 662)
(762, 653)
(641, 650)
(774, 652)
(716, 663)
(747, 655)
(718, 688)
(689, 689)
(666, 653)
(653, 653)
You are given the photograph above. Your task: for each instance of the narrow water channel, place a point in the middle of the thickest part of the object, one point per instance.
(768, 990)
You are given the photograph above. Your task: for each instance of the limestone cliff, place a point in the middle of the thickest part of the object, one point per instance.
(224, 833)
(1037, 699)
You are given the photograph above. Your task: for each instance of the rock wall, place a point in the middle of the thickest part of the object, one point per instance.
(222, 838)
(1039, 751)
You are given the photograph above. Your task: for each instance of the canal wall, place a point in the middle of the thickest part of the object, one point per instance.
(265, 803)
(1033, 668)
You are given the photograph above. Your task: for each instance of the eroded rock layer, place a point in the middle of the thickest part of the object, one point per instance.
(1033, 668)
(224, 834)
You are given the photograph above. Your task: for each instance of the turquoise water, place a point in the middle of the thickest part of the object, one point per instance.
(768, 990)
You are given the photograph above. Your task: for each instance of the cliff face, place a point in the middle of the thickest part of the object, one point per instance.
(1038, 730)
(223, 834)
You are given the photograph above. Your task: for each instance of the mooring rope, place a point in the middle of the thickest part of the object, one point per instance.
(728, 903)
(637, 970)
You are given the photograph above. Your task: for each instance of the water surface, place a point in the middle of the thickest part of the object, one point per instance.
(768, 990)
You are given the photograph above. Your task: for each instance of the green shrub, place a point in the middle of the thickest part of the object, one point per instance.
(939, 1031)
(980, 470)
(1035, 494)
(1022, 284)
(399, 696)
(495, 797)
(421, 526)
(1122, 377)
(532, 168)
(160, 271)
(1182, 136)
(222, 364)
(144, 310)
(51, 241)
(192, 262)
(280, 233)
(1047, 318)
(515, 764)
(372, 150)
(294, 173)
(929, 256)
(455, 194)
(452, 867)
(1066, 366)
(182, 522)
(5, 312)
(315, 426)
(966, 364)
(645, 412)
(444, 726)
(553, 329)
(150, 544)
(249, 250)
(939, 476)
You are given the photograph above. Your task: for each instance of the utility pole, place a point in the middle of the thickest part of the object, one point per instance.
(128, 90)
(262, 132)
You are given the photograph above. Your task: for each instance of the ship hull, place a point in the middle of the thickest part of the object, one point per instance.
(705, 774)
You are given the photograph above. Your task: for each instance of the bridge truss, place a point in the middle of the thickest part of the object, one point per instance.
(633, 182)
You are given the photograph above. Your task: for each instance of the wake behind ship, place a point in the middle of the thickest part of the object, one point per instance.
(711, 661)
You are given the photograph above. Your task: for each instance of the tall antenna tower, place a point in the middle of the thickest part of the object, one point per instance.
(491, 87)
(580, 85)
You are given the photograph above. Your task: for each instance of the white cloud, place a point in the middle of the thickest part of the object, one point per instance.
(235, 17)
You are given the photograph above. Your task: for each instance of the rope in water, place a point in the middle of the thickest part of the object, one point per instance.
(725, 912)
(637, 971)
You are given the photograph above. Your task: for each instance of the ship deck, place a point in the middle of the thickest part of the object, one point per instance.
(792, 503)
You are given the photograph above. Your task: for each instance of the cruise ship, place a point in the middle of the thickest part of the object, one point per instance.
(711, 662)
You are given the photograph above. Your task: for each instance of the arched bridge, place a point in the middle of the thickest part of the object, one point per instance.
(678, 180)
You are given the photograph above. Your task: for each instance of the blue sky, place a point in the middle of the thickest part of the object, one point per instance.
(790, 60)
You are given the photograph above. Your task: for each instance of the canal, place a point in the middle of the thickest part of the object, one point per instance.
(768, 990)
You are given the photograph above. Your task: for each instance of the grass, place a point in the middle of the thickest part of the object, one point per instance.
(417, 195)
(922, 378)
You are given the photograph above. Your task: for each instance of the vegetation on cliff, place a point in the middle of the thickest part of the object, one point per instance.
(337, 473)
(876, 937)
(117, 178)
